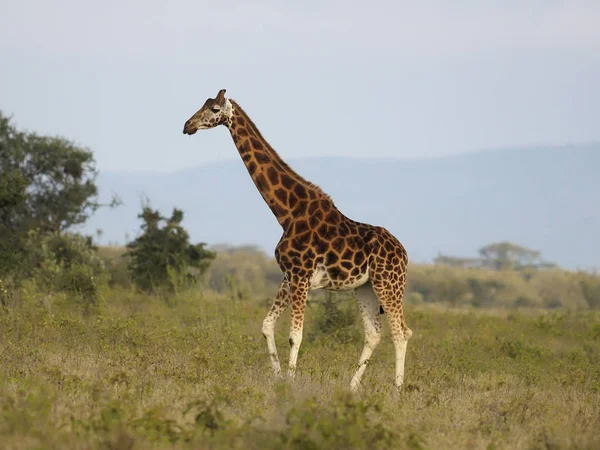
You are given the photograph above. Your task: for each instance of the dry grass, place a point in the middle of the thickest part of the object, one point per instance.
(136, 373)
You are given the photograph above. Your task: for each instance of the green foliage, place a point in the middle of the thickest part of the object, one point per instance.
(115, 260)
(80, 281)
(161, 258)
(551, 289)
(5, 293)
(517, 349)
(336, 320)
(590, 289)
(413, 298)
(444, 285)
(243, 271)
(47, 184)
(208, 416)
(484, 290)
(345, 423)
(66, 262)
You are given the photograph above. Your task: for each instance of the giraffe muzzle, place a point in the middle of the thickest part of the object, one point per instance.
(188, 129)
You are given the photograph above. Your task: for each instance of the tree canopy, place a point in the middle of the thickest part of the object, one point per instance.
(47, 185)
(499, 256)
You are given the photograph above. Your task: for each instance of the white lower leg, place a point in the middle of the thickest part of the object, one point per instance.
(400, 345)
(295, 341)
(368, 306)
(268, 330)
(371, 342)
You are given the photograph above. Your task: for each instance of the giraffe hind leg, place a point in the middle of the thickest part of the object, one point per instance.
(391, 295)
(298, 296)
(370, 309)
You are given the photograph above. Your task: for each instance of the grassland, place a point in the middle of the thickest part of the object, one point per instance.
(136, 372)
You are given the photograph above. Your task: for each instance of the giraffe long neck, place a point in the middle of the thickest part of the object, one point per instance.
(284, 191)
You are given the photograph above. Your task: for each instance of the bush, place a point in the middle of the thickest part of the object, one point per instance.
(414, 298)
(558, 288)
(439, 284)
(162, 259)
(5, 293)
(243, 271)
(67, 262)
(590, 289)
(344, 423)
(551, 288)
(79, 281)
(337, 320)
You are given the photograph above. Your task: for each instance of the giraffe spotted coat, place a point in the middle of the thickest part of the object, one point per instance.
(320, 247)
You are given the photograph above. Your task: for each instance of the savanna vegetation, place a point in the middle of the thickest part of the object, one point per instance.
(157, 344)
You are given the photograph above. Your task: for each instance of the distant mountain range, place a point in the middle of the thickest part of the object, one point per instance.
(545, 198)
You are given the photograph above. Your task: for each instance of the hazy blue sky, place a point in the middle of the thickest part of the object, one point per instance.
(385, 78)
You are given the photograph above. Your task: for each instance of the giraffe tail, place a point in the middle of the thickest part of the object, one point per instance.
(381, 311)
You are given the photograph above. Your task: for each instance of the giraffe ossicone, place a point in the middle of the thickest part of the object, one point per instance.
(320, 247)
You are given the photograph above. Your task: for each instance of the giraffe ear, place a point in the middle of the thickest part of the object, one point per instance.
(221, 97)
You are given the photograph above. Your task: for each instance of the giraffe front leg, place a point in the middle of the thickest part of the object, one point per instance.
(282, 300)
(298, 294)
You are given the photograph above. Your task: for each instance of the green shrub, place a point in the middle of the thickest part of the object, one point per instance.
(344, 423)
(5, 293)
(80, 281)
(337, 319)
(517, 349)
(242, 271)
(414, 298)
(590, 288)
(550, 289)
(161, 259)
(67, 262)
(439, 284)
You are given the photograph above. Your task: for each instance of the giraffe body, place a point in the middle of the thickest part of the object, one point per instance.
(320, 247)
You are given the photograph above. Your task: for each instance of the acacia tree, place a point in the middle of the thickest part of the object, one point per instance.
(506, 255)
(47, 185)
(162, 258)
(500, 256)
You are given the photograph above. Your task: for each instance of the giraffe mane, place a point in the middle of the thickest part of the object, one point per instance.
(276, 158)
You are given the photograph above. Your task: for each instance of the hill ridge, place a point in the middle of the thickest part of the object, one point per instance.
(541, 197)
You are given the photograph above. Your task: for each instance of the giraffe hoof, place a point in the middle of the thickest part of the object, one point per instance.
(291, 372)
(354, 384)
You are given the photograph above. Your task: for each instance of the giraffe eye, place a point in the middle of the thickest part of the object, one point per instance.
(215, 109)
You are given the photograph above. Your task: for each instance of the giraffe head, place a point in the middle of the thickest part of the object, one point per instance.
(215, 111)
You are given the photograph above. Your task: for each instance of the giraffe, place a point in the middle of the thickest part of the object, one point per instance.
(320, 247)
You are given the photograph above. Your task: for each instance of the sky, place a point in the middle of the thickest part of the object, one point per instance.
(319, 78)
